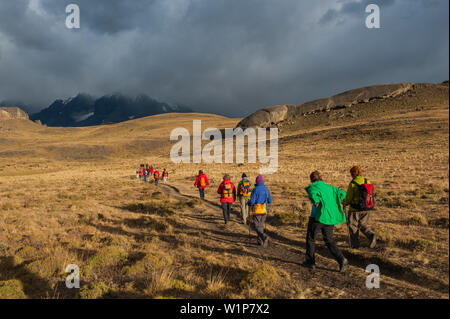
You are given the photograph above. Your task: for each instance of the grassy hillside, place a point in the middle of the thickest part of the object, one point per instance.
(70, 196)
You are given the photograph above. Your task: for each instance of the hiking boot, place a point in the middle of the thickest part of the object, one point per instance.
(373, 242)
(343, 265)
(309, 265)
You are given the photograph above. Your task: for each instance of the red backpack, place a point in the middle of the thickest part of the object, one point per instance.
(365, 201)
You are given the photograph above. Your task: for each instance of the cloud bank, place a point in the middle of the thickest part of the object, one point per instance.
(221, 56)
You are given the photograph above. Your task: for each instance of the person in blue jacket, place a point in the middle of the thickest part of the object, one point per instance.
(259, 203)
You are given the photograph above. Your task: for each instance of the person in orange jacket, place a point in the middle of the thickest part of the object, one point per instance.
(201, 182)
(156, 176)
(227, 193)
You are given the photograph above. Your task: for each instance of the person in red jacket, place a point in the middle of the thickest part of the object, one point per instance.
(201, 182)
(156, 176)
(227, 193)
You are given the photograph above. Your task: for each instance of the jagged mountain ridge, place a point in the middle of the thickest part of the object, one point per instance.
(85, 110)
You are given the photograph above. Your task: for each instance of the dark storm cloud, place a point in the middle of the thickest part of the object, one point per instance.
(351, 8)
(225, 56)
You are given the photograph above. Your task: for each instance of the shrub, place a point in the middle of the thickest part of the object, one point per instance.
(106, 258)
(419, 220)
(94, 291)
(150, 208)
(415, 244)
(383, 235)
(216, 285)
(12, 289)
(180, 285)
(259, 282)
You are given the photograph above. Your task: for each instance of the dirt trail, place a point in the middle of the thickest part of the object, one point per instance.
(287, 254)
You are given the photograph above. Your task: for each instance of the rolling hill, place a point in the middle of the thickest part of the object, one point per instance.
(70, 195)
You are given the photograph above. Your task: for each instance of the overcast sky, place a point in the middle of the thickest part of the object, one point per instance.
(226, 56)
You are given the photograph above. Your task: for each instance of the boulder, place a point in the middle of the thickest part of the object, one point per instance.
(273, 115)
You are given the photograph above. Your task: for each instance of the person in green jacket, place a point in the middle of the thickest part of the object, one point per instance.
(327, 212)
(244, 191)
(357, 220)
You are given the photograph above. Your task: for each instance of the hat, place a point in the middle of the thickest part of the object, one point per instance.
(244, 175)
(259, 179)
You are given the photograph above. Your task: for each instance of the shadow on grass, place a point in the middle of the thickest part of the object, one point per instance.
(33, 285)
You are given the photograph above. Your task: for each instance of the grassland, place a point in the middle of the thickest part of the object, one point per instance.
(70, 196)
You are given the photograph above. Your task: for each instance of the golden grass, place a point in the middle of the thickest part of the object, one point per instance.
(75, 199)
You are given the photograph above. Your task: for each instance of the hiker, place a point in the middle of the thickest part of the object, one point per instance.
(227, 193)
(201, 182)
(156, 176)
(165, 176)
(137, 173)
(151, 170)
(245, 188)
(145, 174)
(326, 213)
(259, 202)
(141, 173)
(358, 212)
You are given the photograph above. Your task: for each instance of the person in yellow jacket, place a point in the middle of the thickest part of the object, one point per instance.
(357, 220)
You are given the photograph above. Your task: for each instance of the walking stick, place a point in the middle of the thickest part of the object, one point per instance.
(250, 221)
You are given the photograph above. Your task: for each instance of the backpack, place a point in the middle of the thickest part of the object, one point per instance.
(260, 209)
(227, 190)
(365, 201)
(245, 188)
(202, 181)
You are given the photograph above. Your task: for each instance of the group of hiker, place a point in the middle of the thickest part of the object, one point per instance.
(251, 197)
(327, 208)
(147, 170)
(327, 202)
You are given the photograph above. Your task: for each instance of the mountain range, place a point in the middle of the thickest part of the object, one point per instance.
(85, 110)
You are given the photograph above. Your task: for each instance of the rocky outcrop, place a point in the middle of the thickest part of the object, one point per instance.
(273, 115)
(12, 113)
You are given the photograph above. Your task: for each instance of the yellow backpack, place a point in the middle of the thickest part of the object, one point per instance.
(260, 209)
(227, 190)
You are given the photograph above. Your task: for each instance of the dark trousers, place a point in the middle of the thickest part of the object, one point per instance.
(358, 221)
(202, 193)
(327, 232)
(156, 182)
(258, 222)
(145, 178)
(226, 209)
